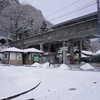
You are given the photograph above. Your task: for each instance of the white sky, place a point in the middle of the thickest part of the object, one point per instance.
(49, 7)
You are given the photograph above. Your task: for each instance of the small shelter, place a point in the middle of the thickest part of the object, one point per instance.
(26, 56)
(12, 56)
(32, 55)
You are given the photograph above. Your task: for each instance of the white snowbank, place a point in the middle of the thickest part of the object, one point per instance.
(46, 65)
(86, 66)
(63, 66)
(36, 65)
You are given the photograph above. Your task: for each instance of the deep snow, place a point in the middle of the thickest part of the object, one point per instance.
(56, 83)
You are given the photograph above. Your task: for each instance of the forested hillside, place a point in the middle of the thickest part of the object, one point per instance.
(16, 18)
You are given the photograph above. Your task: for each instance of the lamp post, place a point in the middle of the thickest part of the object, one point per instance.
(49, 52)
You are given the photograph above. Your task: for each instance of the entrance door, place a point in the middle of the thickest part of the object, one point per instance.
(24, 58)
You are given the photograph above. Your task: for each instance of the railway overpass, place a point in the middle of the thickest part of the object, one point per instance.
(78, 29)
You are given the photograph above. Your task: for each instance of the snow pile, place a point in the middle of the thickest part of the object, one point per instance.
(36, 65)
(63, 66)
(46, 65)
(86, 66)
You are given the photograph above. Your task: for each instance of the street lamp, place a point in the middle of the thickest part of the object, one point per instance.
(49, 52)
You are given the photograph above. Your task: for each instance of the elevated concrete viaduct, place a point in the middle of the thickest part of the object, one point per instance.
(85, 27)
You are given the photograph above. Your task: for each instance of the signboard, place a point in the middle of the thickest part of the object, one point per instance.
(36, 58)
(64, 49)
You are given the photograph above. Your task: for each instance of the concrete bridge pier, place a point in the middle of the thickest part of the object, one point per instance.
(80, 50)
(41, 46)
(71, 51)
(64, 53)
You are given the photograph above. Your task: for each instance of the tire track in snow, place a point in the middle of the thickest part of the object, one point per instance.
(92, 92)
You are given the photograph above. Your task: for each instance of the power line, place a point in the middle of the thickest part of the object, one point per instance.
(63, 8)
(54, 5)
(73, 11)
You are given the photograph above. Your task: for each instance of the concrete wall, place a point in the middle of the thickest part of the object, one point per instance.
(15, 61)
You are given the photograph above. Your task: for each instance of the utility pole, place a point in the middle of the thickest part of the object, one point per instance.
(49, 52)
(98, 9)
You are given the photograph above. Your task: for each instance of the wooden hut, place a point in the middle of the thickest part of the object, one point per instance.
(32, 55)
(12, 56)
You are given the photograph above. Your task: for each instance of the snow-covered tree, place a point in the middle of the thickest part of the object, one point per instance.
(20, 18)
(90, 47)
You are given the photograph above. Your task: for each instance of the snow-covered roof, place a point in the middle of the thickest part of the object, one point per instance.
(13, 49)
(32, 50)
(98, 52)
(87, 52)
(84, 55)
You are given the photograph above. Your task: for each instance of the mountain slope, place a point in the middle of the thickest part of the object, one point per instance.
(4, 3)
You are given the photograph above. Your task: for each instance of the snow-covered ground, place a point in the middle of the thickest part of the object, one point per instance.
(57, 83)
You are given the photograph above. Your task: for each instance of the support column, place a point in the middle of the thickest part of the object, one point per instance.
(80, 50)
(41, 46)
(71, 51)
(64, 54)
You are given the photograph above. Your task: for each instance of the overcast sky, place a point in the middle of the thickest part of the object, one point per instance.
(57, 11)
